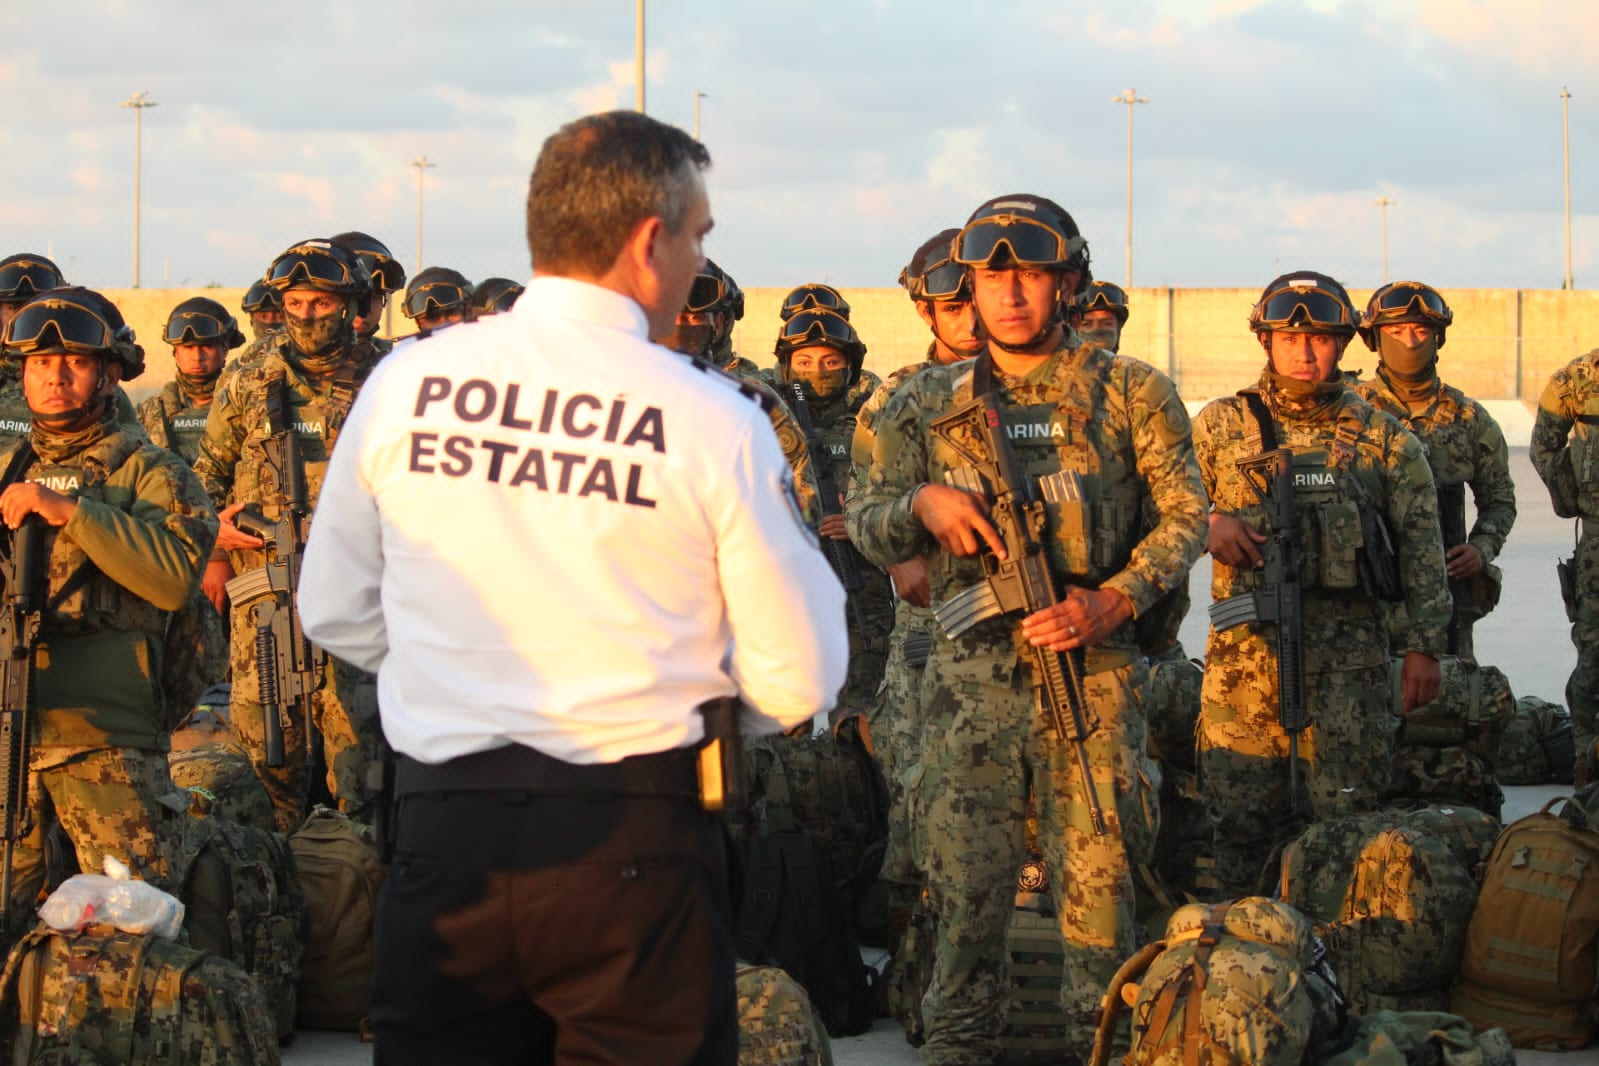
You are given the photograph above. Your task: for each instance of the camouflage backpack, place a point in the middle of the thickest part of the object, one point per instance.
(776, 1024)
(243, 902)
(104, 998)
(1231, 983)
(222, 782)
(1537, 747)
(1391, 898)
(1472, 706)
(1443, 776)
(1532, 949)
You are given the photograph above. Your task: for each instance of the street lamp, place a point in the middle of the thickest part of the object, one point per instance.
(1565, 117)
(698, 96)
(1130, 97)
(421, 164)
(138, 101)
(638, 57)
(1385, 203)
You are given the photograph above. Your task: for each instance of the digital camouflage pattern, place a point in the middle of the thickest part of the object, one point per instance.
(1453, 775)
(221, 780)
(1465, 447)
(103, 998)
(1536, 747)
(1391, 901)
(1565, 453)
(1346, 453)
(174, 419)
(789, 436)
(776, 1024)
(1400, 1038)
(232, 467)
(16, 421)
(986, 749)
(870, 615)
(895, 714)
(1233, 980)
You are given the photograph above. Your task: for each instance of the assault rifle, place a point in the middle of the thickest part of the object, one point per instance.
(1022, 582)
(1452, 524)
(840, 553)
(21, 614)
(289, 668)
(1278, 600)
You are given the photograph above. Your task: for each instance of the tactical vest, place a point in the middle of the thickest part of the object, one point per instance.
(177, 424)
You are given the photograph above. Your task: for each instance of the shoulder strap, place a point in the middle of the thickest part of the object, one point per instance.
(1265, 430)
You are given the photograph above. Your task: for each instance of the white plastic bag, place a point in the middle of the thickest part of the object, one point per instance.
(115, 899)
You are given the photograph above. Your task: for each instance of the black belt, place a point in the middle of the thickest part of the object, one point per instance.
(520, 769)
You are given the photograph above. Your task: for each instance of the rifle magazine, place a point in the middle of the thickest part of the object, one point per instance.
(973, 604)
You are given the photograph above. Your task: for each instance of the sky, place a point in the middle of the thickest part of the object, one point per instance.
(842, 132)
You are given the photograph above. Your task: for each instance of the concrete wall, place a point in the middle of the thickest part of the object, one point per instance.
(1504, 344)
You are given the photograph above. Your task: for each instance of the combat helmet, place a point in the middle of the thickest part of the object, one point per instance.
(491, 296)
(388, 276)
(933, 275)
(198, 320)
(823, 328)
(437, 291)
(260, 297)
(1024, 230)
(1405, 301)
(25, 275)
(74, 321)
(1103, 296)
(1304, 301)
(322, 265)
(813, 296)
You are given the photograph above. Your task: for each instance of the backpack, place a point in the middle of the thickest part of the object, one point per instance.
(777, 1026)
(1391, 900)
(1537, 747)
(1472, 706)
(1532, 949)
(1443, 776)
(1231, 983)
(243, 903)
(337, 863)
(1403, 1038)
(104, 998)
(1036, 1030)
(222, 781)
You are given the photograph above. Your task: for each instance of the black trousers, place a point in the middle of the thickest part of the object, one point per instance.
(519, 928)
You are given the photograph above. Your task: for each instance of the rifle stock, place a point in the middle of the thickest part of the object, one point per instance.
(1279, 600)
(1022, 581)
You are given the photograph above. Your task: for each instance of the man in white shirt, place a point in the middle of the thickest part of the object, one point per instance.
(554, 540)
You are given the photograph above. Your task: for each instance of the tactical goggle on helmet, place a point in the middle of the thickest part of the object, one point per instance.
(22, 277)
(933, 274)
(442, 294)
(388, 276)
(202, 321)
(1305, 302)
(813, 296)
(319, 265)
(821, 328)
(1405, 301)
(74, 322)
(261, 297)
(715, 290)
(491, 296)
(1022, 231)
(1103, 296)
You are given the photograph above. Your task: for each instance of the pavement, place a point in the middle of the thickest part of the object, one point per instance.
(1527, 637)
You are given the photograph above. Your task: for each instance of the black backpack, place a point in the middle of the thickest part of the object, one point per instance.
(812, 848)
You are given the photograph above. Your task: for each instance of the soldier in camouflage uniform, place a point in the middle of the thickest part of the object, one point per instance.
(988, 749)
(127, 529)
(436, 299)
(1405, 324)
(701, 333)
(942, 295)
(1565, 453)
(1353, 466)
(820, 352)
(316, 364)
(262, 303)
(201, 333)
(388, 278)
(1099, 313)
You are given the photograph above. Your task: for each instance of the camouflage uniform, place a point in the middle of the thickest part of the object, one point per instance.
(1347, 453)
(174, 418)
(16, 421)
(1565, 452)
(987, 750)
(895, 715)
(230, 467)
(129, 556)
(789, 435)
(1464, 447)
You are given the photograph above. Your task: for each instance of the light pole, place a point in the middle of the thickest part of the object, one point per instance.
(1385, 203)
(698, 96)
(421, 164)
(638, 57)
(1130, 97)
(138, 101)
(1565, 118)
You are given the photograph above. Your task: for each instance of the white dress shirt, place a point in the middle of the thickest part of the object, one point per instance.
(541, 529)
